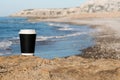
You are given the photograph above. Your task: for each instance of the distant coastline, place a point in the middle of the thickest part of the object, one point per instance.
(89, 9)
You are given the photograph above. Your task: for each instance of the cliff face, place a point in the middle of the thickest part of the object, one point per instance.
(90, 6)
(93, 6)
(47, 13)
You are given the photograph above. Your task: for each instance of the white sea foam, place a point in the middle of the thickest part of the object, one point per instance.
(1, 54)
(65, 29)
(58, 25)
(14, 38)
(5, 44)
(43, 38)
(5, 53)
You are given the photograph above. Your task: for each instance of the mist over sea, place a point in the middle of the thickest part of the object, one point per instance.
(53, 39)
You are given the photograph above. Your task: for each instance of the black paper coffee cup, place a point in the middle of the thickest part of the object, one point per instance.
(27, 41)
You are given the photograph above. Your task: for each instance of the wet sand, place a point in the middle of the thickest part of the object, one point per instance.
(99, 62)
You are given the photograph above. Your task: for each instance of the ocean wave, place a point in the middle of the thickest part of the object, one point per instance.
(65, 29)
(5, 53)
(5, 44)
(43, 38)
(62, 27)
(15, 37)
(58, 25)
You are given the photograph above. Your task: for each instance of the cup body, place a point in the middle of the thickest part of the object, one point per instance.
(27, 41)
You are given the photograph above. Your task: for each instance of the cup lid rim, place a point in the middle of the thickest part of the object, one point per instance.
(27, 31)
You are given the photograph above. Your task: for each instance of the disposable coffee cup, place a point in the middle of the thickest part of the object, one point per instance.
(27, 41)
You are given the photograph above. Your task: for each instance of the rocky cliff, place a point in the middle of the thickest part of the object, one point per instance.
(46, 13)
(93, 6)
(90, 6)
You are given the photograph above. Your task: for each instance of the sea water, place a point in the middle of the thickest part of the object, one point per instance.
(53, 39)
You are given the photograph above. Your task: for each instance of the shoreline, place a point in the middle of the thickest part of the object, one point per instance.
(107, 36)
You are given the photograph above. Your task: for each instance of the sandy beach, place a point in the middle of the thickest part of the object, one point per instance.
(99, 62)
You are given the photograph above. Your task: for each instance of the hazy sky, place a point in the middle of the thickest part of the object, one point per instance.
(8, 7)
